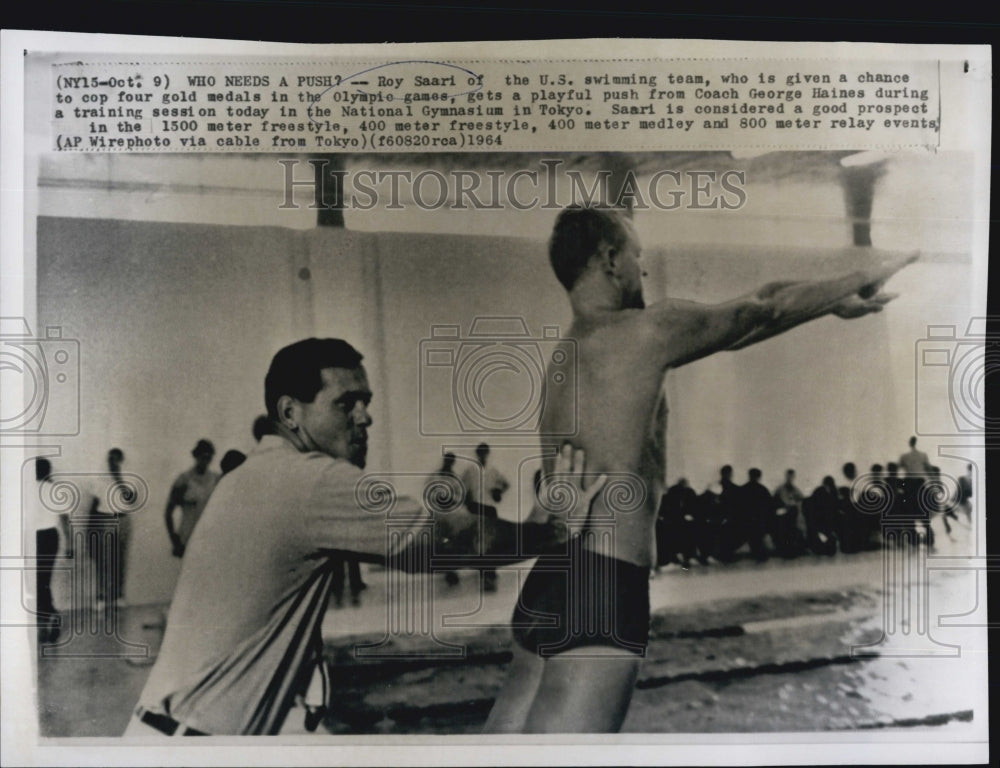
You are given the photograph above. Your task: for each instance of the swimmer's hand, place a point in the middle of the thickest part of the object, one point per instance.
(882, 270)
(855, 306)
(563, 496)
(871, 298)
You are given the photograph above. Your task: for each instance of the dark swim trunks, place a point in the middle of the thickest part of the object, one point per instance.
(583, 599)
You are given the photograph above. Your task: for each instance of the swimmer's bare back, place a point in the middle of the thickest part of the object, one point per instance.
(614, 399)
(611, 399)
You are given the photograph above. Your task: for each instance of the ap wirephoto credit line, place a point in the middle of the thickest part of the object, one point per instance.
(493, 395)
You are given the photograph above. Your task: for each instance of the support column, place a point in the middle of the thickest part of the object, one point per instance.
(330, 173)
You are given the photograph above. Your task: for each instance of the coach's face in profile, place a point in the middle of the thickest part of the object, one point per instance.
(336, 421)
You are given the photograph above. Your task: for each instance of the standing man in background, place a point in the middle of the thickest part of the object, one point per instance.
(897, 505)
(918, 469)
(731, 530)
(43, 544)
(848, 515)
(449, 493)
(120, 533)
(964, 493)
(676, 540)
(190, 492)
(786, 534)
(484, 488)
(756, 512)
(820, 511)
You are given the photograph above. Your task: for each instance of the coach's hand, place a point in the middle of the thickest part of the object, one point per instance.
(564, 495)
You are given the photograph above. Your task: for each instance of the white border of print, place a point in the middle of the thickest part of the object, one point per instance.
(18, 727)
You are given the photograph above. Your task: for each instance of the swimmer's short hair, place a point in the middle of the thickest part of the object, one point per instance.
(576, 236)
(295, 370)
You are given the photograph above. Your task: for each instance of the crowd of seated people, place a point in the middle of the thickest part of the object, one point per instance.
(727, 518)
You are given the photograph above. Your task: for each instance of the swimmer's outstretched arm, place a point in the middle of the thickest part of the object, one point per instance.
(688, 331)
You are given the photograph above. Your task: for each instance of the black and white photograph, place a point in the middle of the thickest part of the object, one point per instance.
(414, 398)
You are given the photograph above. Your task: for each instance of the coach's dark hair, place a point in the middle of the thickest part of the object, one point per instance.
(576, 236)
(295, 370)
